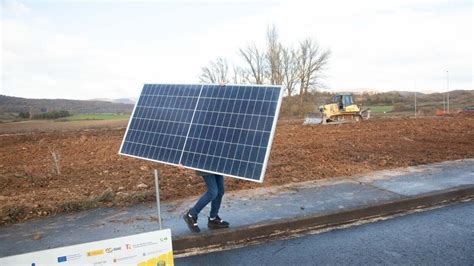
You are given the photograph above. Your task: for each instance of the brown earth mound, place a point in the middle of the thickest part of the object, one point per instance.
(92, 174)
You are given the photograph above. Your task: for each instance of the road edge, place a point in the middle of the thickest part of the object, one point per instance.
(269, 230)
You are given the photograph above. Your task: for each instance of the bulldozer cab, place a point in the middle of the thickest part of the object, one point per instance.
(343, 101)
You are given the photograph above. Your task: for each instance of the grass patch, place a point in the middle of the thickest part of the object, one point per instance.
(381, 108)
(12, 120)
(83, 117)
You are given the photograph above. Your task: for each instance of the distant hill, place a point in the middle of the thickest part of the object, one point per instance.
(125, 100)
(403, 100)
(120, 100)
(10, 104)
(461, 97)
(457, 97)
(407, 93)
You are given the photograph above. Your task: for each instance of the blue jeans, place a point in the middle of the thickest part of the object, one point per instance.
(214, 193)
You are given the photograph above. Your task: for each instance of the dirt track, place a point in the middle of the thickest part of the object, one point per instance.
(92, 174)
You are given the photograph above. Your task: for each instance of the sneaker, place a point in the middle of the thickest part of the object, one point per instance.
(217, 223)
(191, 222)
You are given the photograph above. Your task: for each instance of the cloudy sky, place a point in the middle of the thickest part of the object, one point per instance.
(91, 49)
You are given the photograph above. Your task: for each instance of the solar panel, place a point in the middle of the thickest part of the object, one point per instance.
(222, 129)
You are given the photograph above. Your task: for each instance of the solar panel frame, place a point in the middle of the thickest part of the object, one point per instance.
(192, 121)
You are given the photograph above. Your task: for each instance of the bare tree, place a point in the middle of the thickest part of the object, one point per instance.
(255, 60)
(311, 61)
(216, 72)
(298, 69)
(239, 75)
(274, 57)
(289, 70)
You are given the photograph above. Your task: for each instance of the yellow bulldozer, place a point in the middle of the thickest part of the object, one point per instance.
(341, 110)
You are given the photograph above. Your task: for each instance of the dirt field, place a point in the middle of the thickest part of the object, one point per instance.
(46, 126)
(92, 174)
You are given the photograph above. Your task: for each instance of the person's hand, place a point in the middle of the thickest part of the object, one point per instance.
(181, 169)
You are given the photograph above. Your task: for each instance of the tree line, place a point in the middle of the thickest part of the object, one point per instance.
(44, 115)
(298, 69)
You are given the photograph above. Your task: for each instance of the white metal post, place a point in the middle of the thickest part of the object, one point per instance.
(157, 186)
(444, 102)
(415, 98)
(447, 90)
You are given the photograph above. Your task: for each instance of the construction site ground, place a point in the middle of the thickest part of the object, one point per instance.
(92, 174)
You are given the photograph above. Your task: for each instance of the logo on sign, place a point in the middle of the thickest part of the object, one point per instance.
(95, 252)
(110, 250)
(62, 259)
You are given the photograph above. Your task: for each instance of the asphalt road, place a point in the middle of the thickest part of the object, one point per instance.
(438, 237)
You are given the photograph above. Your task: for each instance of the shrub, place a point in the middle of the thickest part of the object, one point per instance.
(401, 107)
(52, 115)
(24, 115)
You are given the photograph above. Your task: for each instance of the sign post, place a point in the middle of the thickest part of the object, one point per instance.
(157, 187)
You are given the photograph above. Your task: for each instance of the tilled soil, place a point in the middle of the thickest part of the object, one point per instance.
(92, 174)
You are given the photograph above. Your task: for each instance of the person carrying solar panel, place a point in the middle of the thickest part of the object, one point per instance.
(214, 194)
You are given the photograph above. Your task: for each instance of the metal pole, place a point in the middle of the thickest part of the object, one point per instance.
(444, 103)
(447, 88)
(157, 186)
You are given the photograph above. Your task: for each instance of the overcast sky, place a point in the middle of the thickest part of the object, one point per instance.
(87, 49)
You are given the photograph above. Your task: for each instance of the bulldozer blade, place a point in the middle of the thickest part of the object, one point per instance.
(312, 121)
(365, 114)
